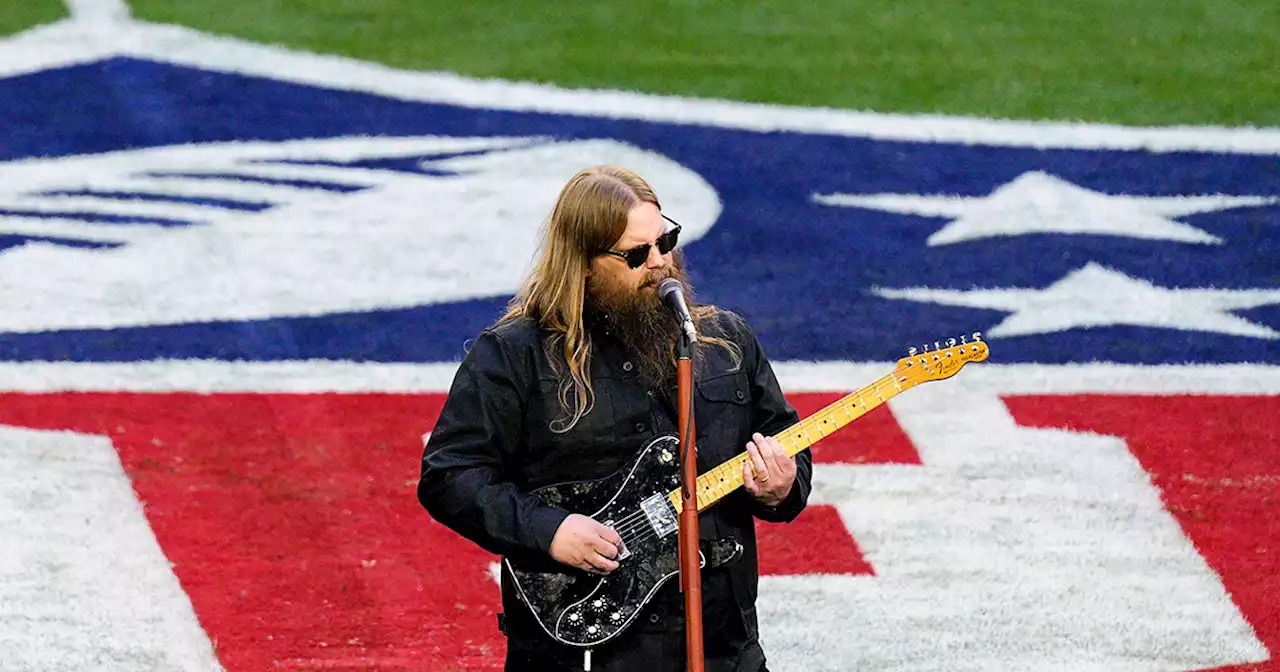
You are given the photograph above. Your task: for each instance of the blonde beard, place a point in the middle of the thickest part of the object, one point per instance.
(646, 328)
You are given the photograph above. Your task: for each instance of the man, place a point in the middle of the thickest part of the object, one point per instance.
(569, 385)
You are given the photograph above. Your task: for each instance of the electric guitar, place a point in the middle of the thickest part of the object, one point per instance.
(642, 503)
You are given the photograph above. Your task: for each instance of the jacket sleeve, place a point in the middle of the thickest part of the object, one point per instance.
(773, 413)
(467, 465)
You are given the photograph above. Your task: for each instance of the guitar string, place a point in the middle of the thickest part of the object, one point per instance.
(637, 521)
(629, 524)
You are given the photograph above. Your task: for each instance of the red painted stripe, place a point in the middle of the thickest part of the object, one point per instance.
(291, 521)
(1216, 462)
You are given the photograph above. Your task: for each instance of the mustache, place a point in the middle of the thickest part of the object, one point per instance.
(658, 275)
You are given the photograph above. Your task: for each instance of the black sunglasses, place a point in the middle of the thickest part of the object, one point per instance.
(636, 256)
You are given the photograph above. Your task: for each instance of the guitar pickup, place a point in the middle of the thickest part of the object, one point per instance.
(661, 515)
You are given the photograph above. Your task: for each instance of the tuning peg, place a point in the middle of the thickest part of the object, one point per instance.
(951, 342)
(977, 336)
(911, 352)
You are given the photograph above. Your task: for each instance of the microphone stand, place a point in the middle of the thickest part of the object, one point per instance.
(690, 571)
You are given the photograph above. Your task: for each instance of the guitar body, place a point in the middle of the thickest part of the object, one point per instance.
(640, 500)
(582, 609)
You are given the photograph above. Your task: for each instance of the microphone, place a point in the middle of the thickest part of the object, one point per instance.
(672, 293)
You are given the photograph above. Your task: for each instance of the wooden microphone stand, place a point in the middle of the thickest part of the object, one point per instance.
(690, 571)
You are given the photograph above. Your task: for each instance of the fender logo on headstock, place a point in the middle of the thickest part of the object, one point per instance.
(943, 361)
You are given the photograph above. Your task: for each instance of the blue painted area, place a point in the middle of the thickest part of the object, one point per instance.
(212, 202)
(12, 241)
(93, 217)
(801, 272)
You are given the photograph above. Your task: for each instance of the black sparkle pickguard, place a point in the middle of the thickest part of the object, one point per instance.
(582, 609)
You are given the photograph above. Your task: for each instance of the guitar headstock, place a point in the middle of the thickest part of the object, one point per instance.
(922, 365)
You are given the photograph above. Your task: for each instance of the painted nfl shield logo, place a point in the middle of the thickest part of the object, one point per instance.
(236, 282)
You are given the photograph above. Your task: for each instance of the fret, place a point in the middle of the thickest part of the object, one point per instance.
(707, 497)
(733, 469)
(723, 479)
(712, 478)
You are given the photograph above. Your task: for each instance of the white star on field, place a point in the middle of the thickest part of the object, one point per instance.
(1037, 202)
(1096, 296)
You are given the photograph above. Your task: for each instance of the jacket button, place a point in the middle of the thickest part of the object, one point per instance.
(639, 427)
(654, 618)
(739, 395)
(627, 366)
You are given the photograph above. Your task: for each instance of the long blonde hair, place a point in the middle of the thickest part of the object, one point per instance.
(589, 216)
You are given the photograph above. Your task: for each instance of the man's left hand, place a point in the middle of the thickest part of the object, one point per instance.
(770, 471)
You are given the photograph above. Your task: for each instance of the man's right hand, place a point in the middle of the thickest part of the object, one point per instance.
(583, 543)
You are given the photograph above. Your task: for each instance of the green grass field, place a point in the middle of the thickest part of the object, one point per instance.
(1149, 63)
(23, 14)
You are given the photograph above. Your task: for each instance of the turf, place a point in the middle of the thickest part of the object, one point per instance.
(1172, 62)
(19, 15)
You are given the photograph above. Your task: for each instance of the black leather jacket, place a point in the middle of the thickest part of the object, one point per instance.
(493, 444)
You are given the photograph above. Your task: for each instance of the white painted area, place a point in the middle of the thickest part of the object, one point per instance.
(403, 240)
(330, 376)
(73, 41)
(1009, 548)
(98, 10)
(989, 378)
(1037, 202)
(217, 376)
(1097, 296)
(57, 45)
(83, 583)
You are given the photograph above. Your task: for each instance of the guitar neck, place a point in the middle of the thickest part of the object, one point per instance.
(717, 483)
